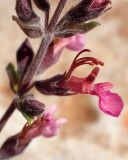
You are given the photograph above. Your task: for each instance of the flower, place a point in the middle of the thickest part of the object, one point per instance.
(46, 125)
(110, 103)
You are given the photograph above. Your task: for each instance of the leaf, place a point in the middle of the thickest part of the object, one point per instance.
(13, 77)
(70, 29)
(43, 5)
(24, 57)
(29, 118)
(31, 29)
(25, 12)
(28, 21)
(85, 10)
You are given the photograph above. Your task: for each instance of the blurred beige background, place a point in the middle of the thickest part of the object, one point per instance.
(89, 134)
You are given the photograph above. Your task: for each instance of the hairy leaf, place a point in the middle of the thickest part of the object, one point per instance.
(70, 29)
(25, 12)
(85, 10)
(31, 29)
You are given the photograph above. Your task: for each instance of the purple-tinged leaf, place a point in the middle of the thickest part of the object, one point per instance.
(31, 29)
(50, 86)
(43, 5)
(85, 10)
(70, 29)
(13, 146)
(28, 21)
(25, 12)
(13, 77)
(24, 57)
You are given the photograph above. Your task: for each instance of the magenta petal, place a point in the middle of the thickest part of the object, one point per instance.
(50, 130)
(52, 127)
(111, 103)
(103, 86)
(76, 43)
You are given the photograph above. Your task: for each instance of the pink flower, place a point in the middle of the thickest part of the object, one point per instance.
(110, 103)
(51, 125)
(76, 43)
(46, 125)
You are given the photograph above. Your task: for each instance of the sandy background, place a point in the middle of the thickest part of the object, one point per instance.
(89, 134)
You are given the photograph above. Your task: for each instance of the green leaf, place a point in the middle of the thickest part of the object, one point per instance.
(29, 119)
(70, 29)
(13, 77)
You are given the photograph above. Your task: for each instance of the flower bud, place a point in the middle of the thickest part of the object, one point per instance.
(32, 107)
(29, 106)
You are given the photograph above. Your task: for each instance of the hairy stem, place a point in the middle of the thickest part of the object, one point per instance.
(6, 116)
(48, 36)
(46, 19)
(33, 68)
(56, 15)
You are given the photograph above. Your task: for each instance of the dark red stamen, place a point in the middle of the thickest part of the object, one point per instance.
(81, 61)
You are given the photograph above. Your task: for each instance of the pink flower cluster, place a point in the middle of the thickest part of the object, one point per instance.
(46, 125)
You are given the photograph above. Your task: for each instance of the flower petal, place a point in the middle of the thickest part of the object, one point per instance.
(111, 103)
(103, 86)
(76, 42)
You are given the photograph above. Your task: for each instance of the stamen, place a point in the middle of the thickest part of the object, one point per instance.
(81, 61)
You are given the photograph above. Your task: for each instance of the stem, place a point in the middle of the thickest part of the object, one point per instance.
(46, 19)
(56, 15)
(33, 68)
(7, 115)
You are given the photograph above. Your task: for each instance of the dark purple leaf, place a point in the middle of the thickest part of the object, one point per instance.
(24, 56)
(43, 5)
(85, 10)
